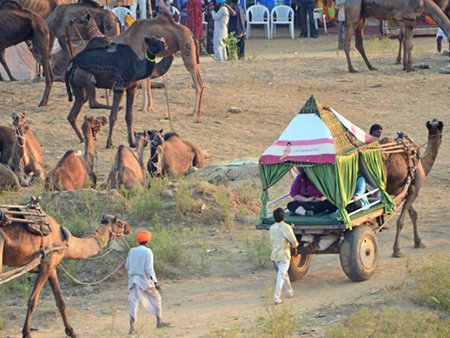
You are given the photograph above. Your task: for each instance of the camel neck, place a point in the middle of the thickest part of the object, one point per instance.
(140, 149)
(88, 145)
(82, 248)
(94, 32)
(155, 153)
(430, 154)
(145, 67)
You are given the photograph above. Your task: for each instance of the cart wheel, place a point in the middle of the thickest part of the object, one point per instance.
(299, 266)
(359, 253)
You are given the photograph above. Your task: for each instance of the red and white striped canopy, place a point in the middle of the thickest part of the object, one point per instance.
(308, 139)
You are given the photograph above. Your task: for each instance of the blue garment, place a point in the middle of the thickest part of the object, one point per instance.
(361, 190)
(306, 8)
(236, 23)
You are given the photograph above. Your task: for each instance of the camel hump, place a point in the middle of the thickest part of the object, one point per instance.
(170, 134)
(90, 3)
(7, 4)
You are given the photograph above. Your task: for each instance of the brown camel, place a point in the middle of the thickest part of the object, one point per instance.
(26, 156)
(170, 155)
(442, 4)
(19, 247)
(41, 7)
(128, 170)
(59, 23)
(178, 38)
(398, 169)
(19, 24)
(356, 12)
(71, 171)
(7, 141)
(8, 180)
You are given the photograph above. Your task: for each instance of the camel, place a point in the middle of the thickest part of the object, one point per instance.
(72, 172)
(114, 67)
(128, 170)
(398, 168)
(356, 12)
(19, 24)
(171, 155)
(19, 247)
(443, 4)
(41, 7)
(8, 180)
(59, 23)
(178, 37)
(7, 141)
(26, 156)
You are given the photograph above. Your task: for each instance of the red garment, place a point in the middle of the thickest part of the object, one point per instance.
(194, 18)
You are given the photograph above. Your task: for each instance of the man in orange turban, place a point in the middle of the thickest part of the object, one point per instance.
(142, 281)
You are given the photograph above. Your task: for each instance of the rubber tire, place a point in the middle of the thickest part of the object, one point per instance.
(299, 266)
(350, 253)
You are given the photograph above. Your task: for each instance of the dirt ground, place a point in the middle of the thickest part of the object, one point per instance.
(270, 86)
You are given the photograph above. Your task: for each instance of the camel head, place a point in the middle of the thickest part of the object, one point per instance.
(155, 44)
(115, 226)
(435, 128)
(84, 20)
(94, 124)
(110, 24)
(19, 120)
(141, 135)
(156, 138)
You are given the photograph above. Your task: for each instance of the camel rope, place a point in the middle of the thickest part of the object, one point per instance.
(166, 91)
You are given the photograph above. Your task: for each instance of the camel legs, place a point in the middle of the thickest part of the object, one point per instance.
(44, 273)
(400, 42)
(40, 53)
(359, 42)
(93, 103)
(3, 62)
(2, 243)
(407, 206)
(80, 100)
(131, 93)
(190, 60)
(407, 46)
(60, 303)
(349, 31)
(113, 116)
(147, 102)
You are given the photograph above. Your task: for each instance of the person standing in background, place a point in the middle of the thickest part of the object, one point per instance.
(306, 8)
(340, 6)
(237, 26)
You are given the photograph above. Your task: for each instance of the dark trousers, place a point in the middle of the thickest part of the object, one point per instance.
(354, 206)
(241, 47)
(307, 8)
(317, 207)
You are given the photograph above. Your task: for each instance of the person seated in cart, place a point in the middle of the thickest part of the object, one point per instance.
(307, 200)
(359, 201)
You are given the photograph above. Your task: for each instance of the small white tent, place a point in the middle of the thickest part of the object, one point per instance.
(20, 62)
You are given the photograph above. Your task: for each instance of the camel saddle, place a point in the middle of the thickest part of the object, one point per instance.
(31, 215)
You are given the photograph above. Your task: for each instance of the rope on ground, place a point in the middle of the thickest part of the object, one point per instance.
(390, 217)
(93, 282)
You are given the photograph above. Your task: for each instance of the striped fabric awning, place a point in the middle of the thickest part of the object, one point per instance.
(316, 135)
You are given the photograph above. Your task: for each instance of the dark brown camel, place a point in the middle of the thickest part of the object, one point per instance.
(8, 180)
(178, 38)
(26, 156)
(71, 171)
(19, 247)
(7, 141)
(171, 155)
(19, 24)
(356, 12)
(128, 170)
(397, 168)
(59, 23)
(114, 67)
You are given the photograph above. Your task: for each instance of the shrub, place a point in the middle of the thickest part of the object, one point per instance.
(232, 49)
(278, 322)
(258, 250)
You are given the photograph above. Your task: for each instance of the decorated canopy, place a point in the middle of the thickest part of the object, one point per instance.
(330, 149)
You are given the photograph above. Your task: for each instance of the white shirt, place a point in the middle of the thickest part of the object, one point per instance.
(221, 19)
(140, 267)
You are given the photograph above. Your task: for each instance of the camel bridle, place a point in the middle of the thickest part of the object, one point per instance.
(112, 236)
(154, 144)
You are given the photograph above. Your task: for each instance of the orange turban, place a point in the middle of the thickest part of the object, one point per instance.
(143, 236)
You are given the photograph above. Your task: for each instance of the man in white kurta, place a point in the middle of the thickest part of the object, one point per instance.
(282, 239)
(142, 282)
(221, 18)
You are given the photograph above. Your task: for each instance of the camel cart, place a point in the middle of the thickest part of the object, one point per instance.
(331, 150)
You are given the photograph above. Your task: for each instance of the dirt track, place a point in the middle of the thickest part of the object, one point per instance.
(270, 87)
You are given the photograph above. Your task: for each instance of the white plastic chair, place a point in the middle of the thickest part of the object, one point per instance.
(176, 11)
(282, 15)
(121, 12)
(258, 15)
(318, 14)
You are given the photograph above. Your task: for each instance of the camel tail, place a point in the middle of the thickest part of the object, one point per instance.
(67, 78)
